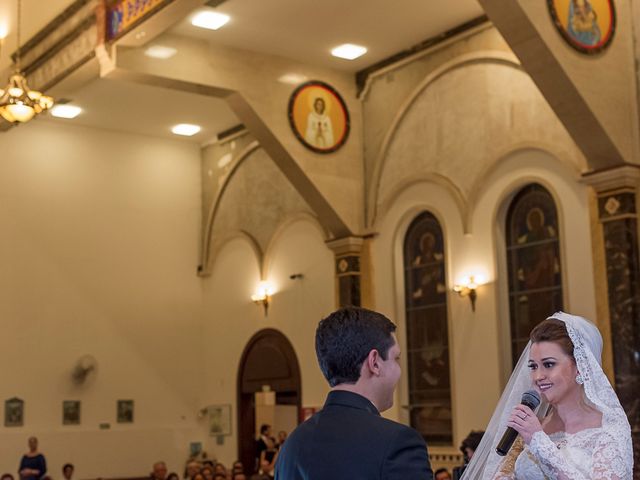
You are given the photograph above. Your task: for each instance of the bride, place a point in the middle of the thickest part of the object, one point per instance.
(580, 431)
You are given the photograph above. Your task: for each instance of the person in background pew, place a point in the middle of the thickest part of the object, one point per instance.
(67, 471)
(442, 474)
(468, 448)
(159, 471)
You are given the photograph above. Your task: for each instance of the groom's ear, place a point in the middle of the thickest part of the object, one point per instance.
(372, 363)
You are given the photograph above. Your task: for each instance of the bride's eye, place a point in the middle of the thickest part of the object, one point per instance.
(532, 366)
(549, 364)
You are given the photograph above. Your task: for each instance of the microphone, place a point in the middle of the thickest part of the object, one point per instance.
(531, 399)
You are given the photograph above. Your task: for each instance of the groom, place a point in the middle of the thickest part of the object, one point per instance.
(359, 356)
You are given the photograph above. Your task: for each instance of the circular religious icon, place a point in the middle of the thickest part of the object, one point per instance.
(586, 25)
(319, 117)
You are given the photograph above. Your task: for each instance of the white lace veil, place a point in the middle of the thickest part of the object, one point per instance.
(587, 344)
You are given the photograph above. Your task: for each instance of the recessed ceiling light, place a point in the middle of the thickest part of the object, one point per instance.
(66, 111)
(159, 51)
(348, 51)
(210, 20)
(292, 78)
(186, 129)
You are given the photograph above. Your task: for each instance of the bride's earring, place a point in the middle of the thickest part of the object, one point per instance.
(579, 379)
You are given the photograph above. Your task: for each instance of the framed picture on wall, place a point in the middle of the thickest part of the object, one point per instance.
(319, 117)
(14, 412)
(219, 420)
(125, 411)
(71, 412)
(195, 449)
(586, 25)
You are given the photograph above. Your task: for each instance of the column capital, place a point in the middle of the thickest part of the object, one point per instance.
(625, 176)
(346, 246)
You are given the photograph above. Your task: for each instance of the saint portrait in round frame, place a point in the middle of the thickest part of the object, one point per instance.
(319, 117)
(586, 25)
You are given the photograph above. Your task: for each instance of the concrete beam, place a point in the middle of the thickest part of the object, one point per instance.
(556, 70)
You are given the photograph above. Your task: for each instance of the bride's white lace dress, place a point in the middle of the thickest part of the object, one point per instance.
(586, 455)
(602, 453)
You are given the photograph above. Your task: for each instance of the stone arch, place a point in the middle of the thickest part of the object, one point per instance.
(496, 57)
(213, 209)
(268, 359)
(254, 198)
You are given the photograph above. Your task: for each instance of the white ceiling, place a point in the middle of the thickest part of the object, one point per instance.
(130, 107)
(302, 30)
(306, 30)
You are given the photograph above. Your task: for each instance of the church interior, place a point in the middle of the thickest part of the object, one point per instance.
(474, 170)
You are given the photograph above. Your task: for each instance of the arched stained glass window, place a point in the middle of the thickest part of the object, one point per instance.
(533, 263)
(427, 330)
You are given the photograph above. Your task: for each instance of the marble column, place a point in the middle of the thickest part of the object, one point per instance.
(617, 192)
(348, 256)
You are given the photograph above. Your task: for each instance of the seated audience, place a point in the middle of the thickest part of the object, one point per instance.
(238, 467)
(192, 469)
(220, 469)
(282, 436)
(468, 448)
(173, 476)
(260, 476)
(159, 471)
(442, 474)
(67, 471)
(6, 476)
(207, 473)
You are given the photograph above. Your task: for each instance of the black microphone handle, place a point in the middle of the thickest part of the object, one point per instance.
(506, 441)
(530, 399)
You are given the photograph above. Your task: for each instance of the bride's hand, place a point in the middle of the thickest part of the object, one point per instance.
(525, 422)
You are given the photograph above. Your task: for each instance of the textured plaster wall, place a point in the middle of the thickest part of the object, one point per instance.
(256, 200)
(230, 319)
(460, 125)
(388, 92)
(606, 81)
(219, 162)
(463, 130)
(338, 175)
(479, 341)
(98, 251)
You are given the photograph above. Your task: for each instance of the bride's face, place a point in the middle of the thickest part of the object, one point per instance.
(553, 372)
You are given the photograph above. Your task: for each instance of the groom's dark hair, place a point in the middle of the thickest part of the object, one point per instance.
(345, 338)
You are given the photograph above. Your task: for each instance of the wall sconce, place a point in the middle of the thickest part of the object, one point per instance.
(468, 287)
(263, 296)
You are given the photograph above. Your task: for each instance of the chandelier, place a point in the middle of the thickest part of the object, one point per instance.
(18, 103)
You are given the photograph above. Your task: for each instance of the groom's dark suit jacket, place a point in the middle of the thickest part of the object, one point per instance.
(349, 440)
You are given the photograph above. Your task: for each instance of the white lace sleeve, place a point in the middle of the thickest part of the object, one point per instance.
(607, 461)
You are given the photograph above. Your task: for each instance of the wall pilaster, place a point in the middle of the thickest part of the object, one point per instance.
(617, 204)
